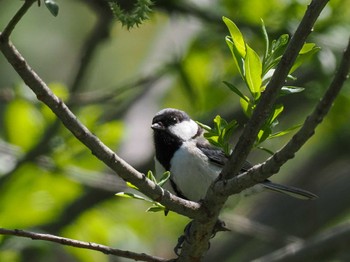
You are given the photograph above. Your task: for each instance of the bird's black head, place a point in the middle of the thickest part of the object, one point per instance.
(171, 127)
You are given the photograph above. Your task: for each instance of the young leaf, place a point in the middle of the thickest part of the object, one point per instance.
(151, 176)
(263, 134)
(205, 127)
(266, 150)
(237, 57)
(276, 112)
(266, 38)
(52, 6)
(308, 50)
(155, 209)
(132, 186)
(287, 90)
(235, 90)
(284, 132)
(253, 71)
(164, 178)
(247, 106)
(131, 195)
(236, 36)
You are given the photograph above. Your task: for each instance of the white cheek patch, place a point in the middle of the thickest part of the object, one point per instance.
(185, 130)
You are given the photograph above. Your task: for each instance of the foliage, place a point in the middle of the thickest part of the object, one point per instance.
(256, 74)
(132, 18)
(156, 207)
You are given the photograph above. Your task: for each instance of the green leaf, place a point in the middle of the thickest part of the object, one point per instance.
(276, 112)
(205, 127)
(253, 71)
(131, 195)
(236, 44)
(287, 90)
(52, 6)
(280, 45)
(266, 150)
(132, 186)
(247, 107)
(156, 208)
(238, 58)
(284, 132)
(236, 36)
(263, 134)
(151, 176)
(164, 178)
(266, 38)
(235, 90)
(308, 50)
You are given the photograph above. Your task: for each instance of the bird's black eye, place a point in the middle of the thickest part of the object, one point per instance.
(175, 120)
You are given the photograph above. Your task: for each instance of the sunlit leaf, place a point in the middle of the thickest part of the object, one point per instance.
(253, 70)
(236, 36)
(264, 134)
(246, 106)
(276, 112)
(132, 185)
(308, 50)
(132, 195)
(238, 58)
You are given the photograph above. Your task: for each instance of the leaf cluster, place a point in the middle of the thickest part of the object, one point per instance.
(156, 206)
(256, 73)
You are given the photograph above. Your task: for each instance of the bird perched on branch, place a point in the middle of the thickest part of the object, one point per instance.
(192, 161)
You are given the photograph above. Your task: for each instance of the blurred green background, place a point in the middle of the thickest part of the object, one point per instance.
(115, 80)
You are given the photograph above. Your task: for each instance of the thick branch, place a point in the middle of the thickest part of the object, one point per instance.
(81, 244)
(101, 151)
(271, 166)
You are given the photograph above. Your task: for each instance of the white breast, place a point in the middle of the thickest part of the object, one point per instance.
(192, 172)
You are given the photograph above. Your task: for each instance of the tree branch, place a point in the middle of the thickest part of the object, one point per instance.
(201, 231)
(82, 244)
(313, 249)
(15, 19)
(262, 171)
(81, 132)
(270, 95)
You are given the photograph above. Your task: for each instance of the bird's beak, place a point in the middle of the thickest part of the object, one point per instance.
(157, 126)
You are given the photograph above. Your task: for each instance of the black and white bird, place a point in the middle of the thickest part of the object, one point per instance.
(193, 162)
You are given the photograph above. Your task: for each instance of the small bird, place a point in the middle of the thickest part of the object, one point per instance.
(192, 161)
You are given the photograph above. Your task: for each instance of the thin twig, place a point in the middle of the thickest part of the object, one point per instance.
(15, 19)
(82, 244)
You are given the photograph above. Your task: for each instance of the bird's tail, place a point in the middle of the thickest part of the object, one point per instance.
(289, 190)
